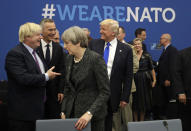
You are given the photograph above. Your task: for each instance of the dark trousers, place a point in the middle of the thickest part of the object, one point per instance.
(185, 115)
(52, 109)
(97, 125)
(108, 120)
(170, 109)
(18, 125)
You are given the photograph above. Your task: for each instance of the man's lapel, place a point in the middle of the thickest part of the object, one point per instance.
(39, 51)
(53, 54)
(101, 46)
(30, 57)
(118, 52)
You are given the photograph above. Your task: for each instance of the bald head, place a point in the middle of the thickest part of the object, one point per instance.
(165, 39)
(167, 36)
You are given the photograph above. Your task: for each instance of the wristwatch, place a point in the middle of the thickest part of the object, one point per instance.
(62, 113)
(89, 113)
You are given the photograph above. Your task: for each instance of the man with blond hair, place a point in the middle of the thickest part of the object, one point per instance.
(26, 80)
(119, 61)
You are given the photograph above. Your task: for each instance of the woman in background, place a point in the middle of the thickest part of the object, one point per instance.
(145, 79)
(86, 90)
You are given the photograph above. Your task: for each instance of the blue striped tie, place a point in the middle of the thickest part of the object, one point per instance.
(106, 53)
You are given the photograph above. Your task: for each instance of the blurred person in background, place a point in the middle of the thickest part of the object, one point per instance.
(145, 79)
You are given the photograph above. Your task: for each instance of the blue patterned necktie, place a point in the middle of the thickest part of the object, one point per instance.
(106, 53)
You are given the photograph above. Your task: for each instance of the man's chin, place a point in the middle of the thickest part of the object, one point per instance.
(51, 38)
(38, 44)
(103, 38)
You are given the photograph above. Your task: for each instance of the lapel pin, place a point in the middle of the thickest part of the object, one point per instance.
(120, 50)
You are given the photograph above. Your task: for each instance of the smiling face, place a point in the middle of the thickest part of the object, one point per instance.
(34, 40)
(48, 31)
(138, 45)
(106, 33)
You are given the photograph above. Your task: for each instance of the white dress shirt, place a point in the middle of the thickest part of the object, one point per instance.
(166, 46)
(112, 50)
(41, 65)
(44, 47)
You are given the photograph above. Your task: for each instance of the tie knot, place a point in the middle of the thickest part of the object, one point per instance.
(108, 44)
(47, 45)
(33, 52)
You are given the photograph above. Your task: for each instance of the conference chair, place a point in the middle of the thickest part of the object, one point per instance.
(157, 125)
(59, 125)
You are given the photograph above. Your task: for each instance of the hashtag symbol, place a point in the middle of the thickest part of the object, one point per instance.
(48, 12)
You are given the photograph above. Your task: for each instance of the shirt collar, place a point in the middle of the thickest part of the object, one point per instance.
(167, 46)
(28, 48)
(114, 41)
(44, 43)
(123, 41)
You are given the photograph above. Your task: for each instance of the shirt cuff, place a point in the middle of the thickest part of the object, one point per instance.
(46, 77)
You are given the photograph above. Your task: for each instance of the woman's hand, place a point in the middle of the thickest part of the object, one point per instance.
(166, 83)
(83, 121)
(153, 83)
(60, 97)
(182, 98)
(63, 115)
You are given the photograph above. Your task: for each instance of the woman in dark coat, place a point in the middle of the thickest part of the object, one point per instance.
(86, 90)
(145, 79)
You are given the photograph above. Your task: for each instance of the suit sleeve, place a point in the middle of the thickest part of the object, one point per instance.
(102, 85)
(128, 76)
(178, 76)
(90, 44)
(17, 69)
(172, 64)
(62, 70)
(151, 66)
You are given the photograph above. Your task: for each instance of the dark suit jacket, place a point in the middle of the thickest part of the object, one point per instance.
(121, 73)
(166, 68)
(183, 73)
(56, 85)
(26, 85)
(90, 92)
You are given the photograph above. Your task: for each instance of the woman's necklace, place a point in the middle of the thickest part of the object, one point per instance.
(77, 60)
